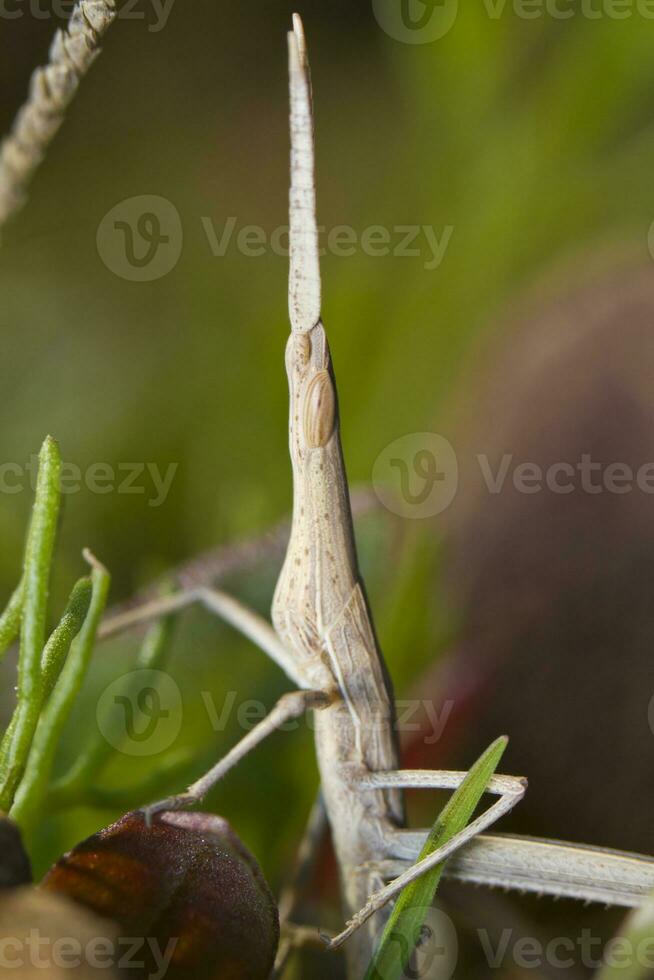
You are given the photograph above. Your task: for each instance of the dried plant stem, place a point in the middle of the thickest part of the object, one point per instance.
(52, 88)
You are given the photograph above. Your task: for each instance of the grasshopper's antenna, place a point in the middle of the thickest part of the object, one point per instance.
(304, 275)
(298, 30)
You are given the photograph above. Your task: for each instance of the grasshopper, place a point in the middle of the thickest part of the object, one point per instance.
(320, 612)
(323, 631)
(324, 639)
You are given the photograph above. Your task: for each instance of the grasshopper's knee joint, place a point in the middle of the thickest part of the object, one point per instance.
(296, 703)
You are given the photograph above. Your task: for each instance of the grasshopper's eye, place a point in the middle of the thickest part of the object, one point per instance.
(319, 410)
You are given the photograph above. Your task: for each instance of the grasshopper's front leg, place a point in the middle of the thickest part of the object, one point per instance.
(290, 706)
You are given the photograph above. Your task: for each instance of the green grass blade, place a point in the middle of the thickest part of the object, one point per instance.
(38, 560)
(153, 655)
(408, 916)
(34, 786)
(54, 655)
(59, 643)
(10, 620)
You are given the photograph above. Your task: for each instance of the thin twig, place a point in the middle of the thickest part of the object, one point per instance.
(52, 88)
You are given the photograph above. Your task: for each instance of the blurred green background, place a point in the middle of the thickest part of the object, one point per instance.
(532, 138)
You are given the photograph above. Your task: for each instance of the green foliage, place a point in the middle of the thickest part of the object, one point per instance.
(36, 578)
(56, 649)
(33, 790)
(50, 673)
(50, 677)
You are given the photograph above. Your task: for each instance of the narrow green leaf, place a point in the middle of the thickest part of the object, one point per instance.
(10, 620)
(36, 578)
(398, 940)
(152, 655)
(34, 786)
(58, 645)
(5, 745)
(54, 655)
